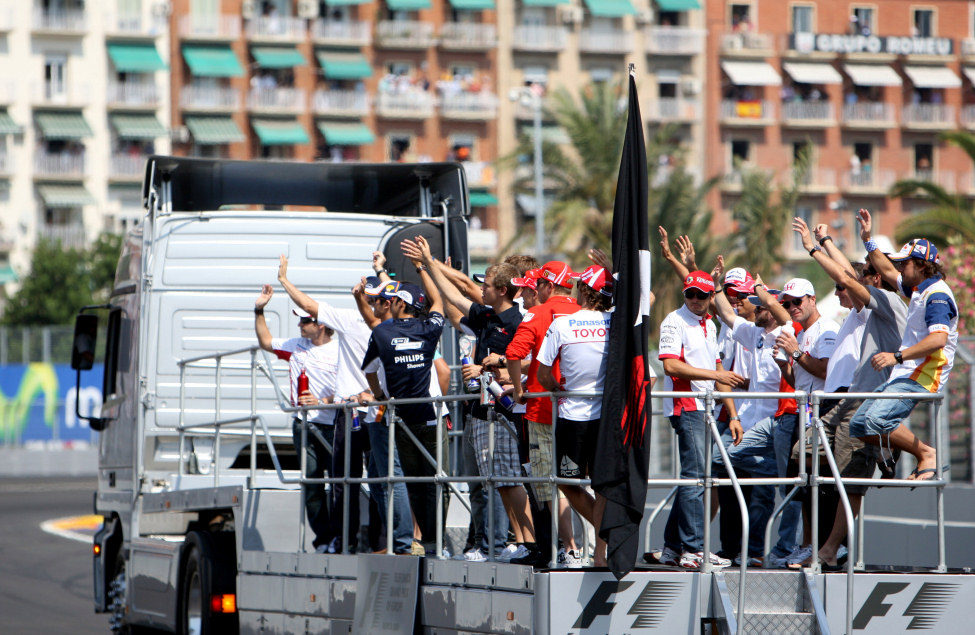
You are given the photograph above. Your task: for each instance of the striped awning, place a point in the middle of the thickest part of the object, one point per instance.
(135, 57)
(277, 56)
(344, 65)
(140, 127)
(63, 125)
(7, 123)
(65, 195)
(212, 60)
(346, 134)
(279, 132)
(210, 130)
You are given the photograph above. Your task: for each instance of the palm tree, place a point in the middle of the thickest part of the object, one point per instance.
(950, 218)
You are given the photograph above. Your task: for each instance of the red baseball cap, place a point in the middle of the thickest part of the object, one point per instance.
(529, 280)
(556, 272)
(597, 278)
(700, 280)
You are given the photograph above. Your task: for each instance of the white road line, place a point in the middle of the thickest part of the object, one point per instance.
(50, 527)
(919, 522)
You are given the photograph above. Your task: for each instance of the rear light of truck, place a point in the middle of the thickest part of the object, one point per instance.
(223, 603)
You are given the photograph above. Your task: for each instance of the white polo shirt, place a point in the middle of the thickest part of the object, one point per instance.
(353, 337)
(846, 356)
(692, 339)
(318, 362)
(764, 374)
(580, 342)
(819, 341)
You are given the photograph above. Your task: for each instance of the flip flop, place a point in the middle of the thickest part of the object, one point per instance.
(930, 470)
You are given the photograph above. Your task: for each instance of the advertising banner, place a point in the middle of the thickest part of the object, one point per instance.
(37, 402)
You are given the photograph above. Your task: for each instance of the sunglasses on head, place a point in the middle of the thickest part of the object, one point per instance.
(306, 320)
(788, 304)
(695, 294)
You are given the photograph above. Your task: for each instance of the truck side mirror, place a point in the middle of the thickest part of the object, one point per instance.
(83, 347)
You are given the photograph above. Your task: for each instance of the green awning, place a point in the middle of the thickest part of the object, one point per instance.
(7, 274)
(7, 123)
(610, 8)
(212, 60)
(678, 5)
(346, 134)
(544, 3)
(65, 195)
(472, 5)
(137, 127)
(482, 198)
(63, 125)
(344, 65)
(279, 132)
(210, 130)
(407, 5)
(135, 57)
(277, 56)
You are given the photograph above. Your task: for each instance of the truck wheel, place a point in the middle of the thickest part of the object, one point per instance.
(118, 600)
(207, 570)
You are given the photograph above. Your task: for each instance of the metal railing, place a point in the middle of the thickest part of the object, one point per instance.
(468, 35)
(469, 105)
(674, 109)
(206, 97)
(281, 98)
(275, 28)
(210, 26)
(605, 41)
(928, 114)
(540, 37)
(341, 101)
(59, 164)
(745, 110)
(132, 94)
(411, 105)
(354, 32)
(674, 40)
(873, 113)
(73, 20)
(404, 34)
(808, 111)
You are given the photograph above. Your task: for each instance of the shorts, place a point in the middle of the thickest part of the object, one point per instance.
(854, 459)
(575, 447)
(540, 457)
(505, 460)
(880, 417)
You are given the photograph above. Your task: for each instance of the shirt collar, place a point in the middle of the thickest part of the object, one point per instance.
(927, 283)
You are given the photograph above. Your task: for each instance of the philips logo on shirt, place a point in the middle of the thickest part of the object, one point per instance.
(406, 359)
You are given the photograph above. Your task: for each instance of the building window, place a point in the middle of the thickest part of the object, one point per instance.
(805, 212)
(741, 153)
(861, 164)
(802, 19)
(923, 23)
(670, 18)
(55, 70)
(923, 160)
(399, 146)
(535, 75)
(741, 17)
(462, 147)
(666, 88)
(533, 16)
(861, 22)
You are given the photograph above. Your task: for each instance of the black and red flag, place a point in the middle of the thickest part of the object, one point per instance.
(623, 445)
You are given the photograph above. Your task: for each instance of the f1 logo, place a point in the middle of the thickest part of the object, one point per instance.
(599, 603)
(924, 610)
(875, 606)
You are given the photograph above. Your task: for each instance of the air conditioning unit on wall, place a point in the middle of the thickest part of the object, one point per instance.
(570, 15)
(308, 9)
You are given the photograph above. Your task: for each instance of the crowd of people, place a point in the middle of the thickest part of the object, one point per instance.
(527, 328)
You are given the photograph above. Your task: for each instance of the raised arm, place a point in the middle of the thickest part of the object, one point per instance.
(362, 303)
(859, 294)
(433, 294)
(379, 266)
(299, 297)
(772, 303)
(418, 251)
(260, 325)
(881, 263)
(679, 268)
(821, 233)
(459, 279)
(721, 304)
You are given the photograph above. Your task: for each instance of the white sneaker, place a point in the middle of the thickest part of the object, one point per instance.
(335, 546)
(475, 555)
(512, 551)
(445, 554)
(799, 555)
(569, 559)
(694, 560)
(669, 557)
(321, 549)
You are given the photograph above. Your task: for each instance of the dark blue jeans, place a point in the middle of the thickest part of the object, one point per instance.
(358, 443)
(685, 525)
(479, 500)
(318, 460)
(379, 468)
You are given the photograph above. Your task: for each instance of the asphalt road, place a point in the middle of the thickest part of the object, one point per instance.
(45, 580)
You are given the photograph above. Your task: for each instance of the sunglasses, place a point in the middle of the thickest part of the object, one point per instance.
(840, 287)
(694, 294)
(306, 320)
(788, 304)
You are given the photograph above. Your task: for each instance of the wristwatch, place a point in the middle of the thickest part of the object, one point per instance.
(796, 354)
(899, 357)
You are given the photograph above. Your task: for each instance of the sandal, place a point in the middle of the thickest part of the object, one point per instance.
(931, 470)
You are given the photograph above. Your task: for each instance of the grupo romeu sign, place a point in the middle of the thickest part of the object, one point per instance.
(890, 44)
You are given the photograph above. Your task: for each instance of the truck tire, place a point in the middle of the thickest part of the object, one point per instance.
(118, 600)
(208, 569)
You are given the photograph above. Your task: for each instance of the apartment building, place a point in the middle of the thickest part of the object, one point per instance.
(865, 87)
(83, 101)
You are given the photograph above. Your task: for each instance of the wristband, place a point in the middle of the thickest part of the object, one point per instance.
(899, 357)
(759, 284)
(871, 245)
(258, 311)
(812, 252)
(823, 240)
(421, 268)
(734, 419)
(381, 270)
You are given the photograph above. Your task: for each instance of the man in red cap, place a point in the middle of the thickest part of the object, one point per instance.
(689, 352)
(553, 288)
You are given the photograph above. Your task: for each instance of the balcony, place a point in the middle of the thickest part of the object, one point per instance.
(732, 180)
(819, 181)
(127, 167)
(968, 116)
(132, 95)
(69, 235)
(940, 178)
(747, 44)
(209, 27)
(615, 41)
(134, 25)
(747, 113)
(873, 115)
(867, 181)
(808, 114)
(54, 94)
(928, 117)
(62, 22)
(209, 98)
(276, 29)
(341, 103)
(59, 165)
(968, 47)
(676, 109)
(413, 105)
(468, 36)
(277, 99)
(674, 40)
(401, 34)
(351, 33)
(540, 38)
(469, 106)
(4, 163)
(482, 242)
(479, 173)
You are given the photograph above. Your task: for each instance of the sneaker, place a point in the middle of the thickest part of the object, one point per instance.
(799, 555)
(335, 546)
(777, 562)
(417, 549)
(514, 550)
(322, 549)
(752, 562)
(569, 559)
(445, 554)
(668, 557)
(535, 558)
(475, 555)
(694, 560)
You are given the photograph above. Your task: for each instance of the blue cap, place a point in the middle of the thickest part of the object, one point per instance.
(920, 248)
(374, 284)
(411, 294)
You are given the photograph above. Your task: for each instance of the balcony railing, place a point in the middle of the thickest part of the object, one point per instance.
(289, 99)
(531, 37)
(878, 181)
(818, 179)
(414, 105)
(468, 35)
(206, 97)
(210, 26)
(674, 109)
(276, 28)
(868, 113)
(127, 165)
(58, 94)
(674, 40)
(603, 41)
(3, 162)
(808, 111)
(968, 116)
(72, 235)
(404, 34)
(938, 177)
(345, 102)
(59, 164)
(469, 106)
(937, 115)
(132, 94)
(353, 33)
(747, 112)
(135, 24)
(66, 20)
(968, 47)
(746, 43)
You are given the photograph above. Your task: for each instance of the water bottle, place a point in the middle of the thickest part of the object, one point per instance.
(472, 385)
(505, 400)
(780, 354)
(302, 384)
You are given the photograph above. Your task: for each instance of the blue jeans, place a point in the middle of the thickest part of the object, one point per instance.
(879, 417)
(684, 531)
(379, 468)
(764, 451)
(318, 460)
(479, 500)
